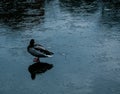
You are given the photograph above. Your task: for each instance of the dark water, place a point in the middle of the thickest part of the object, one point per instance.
(85, 37)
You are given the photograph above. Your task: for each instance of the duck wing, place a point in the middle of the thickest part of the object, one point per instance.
(36, 53)
(42, 49)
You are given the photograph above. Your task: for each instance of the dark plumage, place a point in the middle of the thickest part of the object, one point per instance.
(38, 50)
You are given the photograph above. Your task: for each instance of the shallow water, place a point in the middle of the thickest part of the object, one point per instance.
(84, 38)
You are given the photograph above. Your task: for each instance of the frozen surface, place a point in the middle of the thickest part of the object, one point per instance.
(86, 44)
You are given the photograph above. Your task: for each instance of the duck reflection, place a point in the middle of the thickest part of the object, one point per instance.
(38, 68)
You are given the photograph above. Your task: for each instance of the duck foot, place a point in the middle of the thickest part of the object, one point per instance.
(36, 59)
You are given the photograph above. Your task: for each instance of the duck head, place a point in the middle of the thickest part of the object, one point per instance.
(32, 42)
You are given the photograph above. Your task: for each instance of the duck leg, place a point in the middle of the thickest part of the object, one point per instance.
(38, 60)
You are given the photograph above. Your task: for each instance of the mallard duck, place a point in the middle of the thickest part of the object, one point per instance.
(38, 50)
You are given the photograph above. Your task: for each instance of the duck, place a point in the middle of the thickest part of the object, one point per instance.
(38, 50)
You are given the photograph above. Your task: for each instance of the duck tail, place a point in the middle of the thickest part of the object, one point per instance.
(49, 55)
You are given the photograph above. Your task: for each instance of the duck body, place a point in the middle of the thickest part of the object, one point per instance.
(38, 50)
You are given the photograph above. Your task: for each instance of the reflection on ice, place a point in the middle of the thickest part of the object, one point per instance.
(38, 68)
